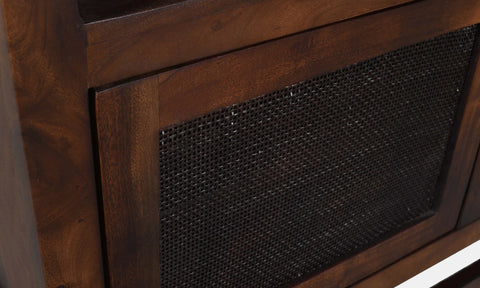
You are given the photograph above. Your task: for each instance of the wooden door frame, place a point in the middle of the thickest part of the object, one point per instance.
(130, 115)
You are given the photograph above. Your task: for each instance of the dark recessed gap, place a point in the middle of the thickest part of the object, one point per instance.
(95, 10)
(98, 184)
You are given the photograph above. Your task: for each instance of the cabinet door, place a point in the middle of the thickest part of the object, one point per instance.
(313, 160)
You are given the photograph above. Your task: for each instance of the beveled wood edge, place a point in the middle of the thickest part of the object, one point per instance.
(424, 258)
(127, 125)
(194, 30)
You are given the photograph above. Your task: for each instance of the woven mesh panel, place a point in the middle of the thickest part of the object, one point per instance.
(270, 191)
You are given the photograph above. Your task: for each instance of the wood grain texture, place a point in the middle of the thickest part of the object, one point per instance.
(423, 258)
(127, 125)
(196, 29)
(47, 50)
(471, 206)
(196, 89)
(20, 262)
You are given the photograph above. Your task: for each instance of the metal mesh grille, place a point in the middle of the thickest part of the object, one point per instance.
(267, 192)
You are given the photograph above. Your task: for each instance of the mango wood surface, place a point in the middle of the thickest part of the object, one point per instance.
(132, 45)
(20, 262)
(202, 87)
(196, 89)
(47, 51)
(423, 258)
(128, 146)
(471, 206)
(53, 68)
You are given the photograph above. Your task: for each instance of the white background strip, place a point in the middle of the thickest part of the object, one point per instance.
(445, 268)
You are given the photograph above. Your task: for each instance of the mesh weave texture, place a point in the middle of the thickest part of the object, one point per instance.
(270, 191)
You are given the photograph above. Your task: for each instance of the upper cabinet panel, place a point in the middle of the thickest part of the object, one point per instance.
(175, 32)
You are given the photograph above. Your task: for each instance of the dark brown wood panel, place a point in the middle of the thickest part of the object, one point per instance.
(471, 207)
(20, 262)
(196, 29)
(474, 284)
(197, 89)
(424, 258)
(128, 140)
(47, 50)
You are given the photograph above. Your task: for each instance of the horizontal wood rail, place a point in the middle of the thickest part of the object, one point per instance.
(135, 44)
(170, 36)
(423, 259)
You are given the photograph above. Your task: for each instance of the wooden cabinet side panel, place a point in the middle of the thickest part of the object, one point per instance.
(47, 50)
(20, 262)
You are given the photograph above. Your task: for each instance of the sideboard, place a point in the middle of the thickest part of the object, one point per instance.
(222, 143)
